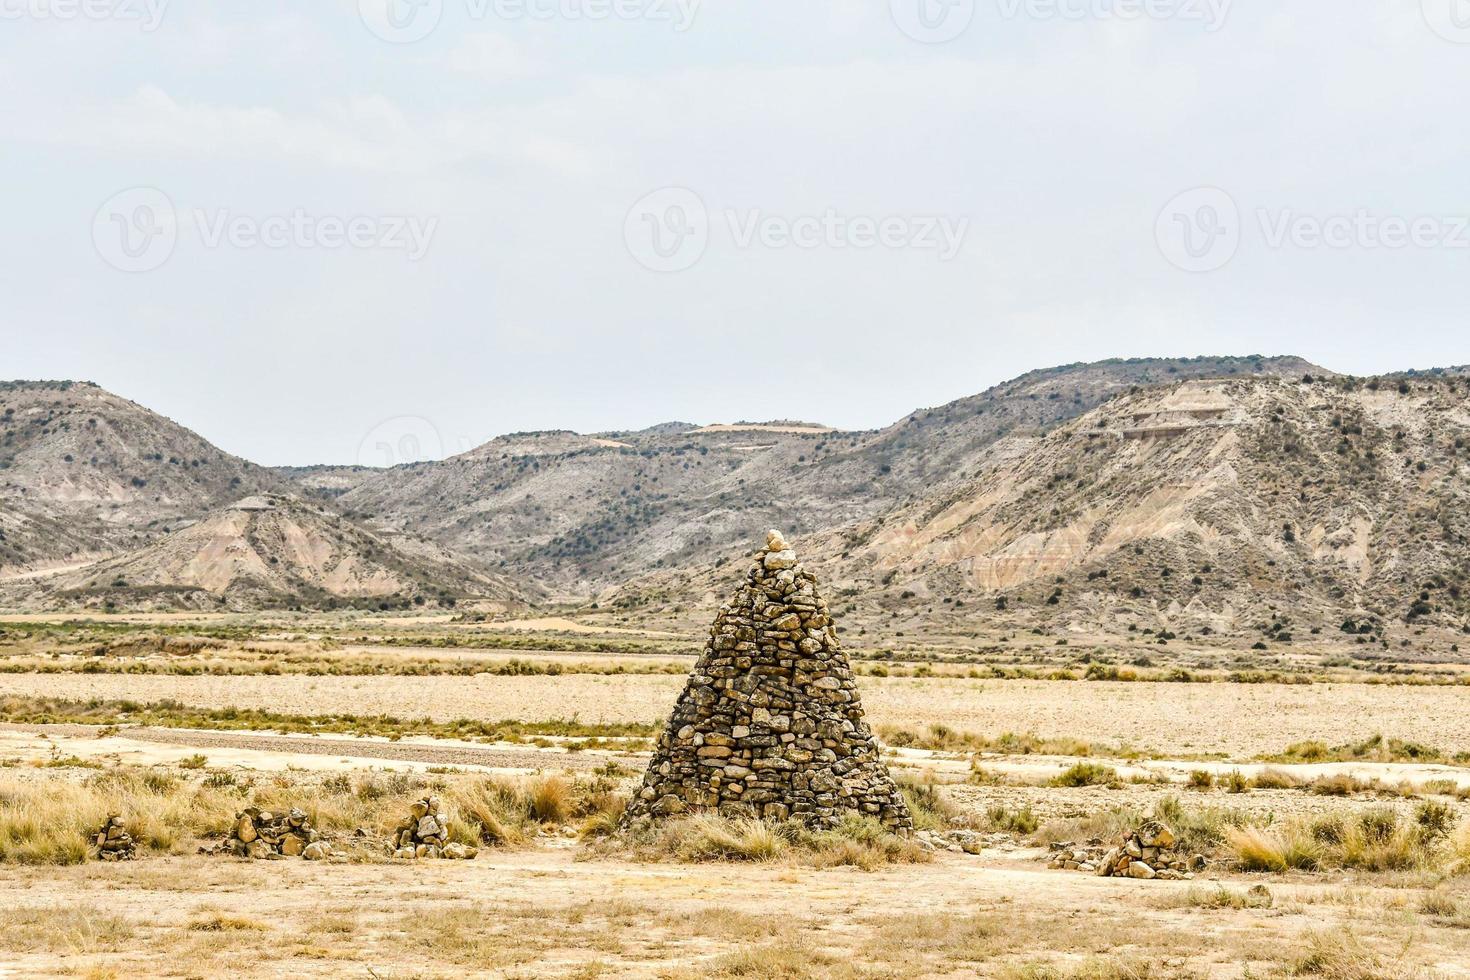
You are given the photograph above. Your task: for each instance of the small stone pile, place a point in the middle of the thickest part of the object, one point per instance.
(113, 841)
(770, 724)
(425, 834)
(264, 835)
(1150, 851)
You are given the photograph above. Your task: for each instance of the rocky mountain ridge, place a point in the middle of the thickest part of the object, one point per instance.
(583, 513)
(1254, 496)
(1261, 507)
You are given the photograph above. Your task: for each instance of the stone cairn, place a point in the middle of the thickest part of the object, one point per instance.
(770, 723)
(113, 841)
(1151, 851)
(264, 835)
(424, 834)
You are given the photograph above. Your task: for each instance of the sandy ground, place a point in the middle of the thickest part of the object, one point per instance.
(561, 624)
(270, 752)
(1240, 720)
(544, 913)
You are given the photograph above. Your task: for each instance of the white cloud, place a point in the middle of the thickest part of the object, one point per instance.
(493, 57)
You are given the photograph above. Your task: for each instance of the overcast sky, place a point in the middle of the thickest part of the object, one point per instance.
(307, 230)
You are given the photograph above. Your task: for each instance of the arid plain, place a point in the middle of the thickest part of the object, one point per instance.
(183, 720)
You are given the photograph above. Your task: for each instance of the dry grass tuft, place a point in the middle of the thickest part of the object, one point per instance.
(549, 799)
(779, 961)
(1342, 956)
(68, 928)
(1218, 897)
(1101, 969)
(215, 920)
(1274, 778)
(1086, 774)
(858, 842)
(1380, 839)
(49, 822)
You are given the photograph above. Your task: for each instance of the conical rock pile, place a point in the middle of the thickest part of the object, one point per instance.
(770, 724)
(113, 841)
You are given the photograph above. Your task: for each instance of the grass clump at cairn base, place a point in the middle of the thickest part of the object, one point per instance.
(1381, 839)
(49, 822)
(858, 841)
(495, 810)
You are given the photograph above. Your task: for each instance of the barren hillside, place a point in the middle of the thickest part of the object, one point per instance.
(84, 472)
(1261, 507)
(275, 551)
(584, 513)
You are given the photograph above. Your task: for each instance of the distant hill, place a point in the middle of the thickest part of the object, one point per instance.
(1255, 497)
(583, 513)
(271, 551)
(1260, 507)
(84, 472)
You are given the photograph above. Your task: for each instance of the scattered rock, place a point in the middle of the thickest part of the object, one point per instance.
(263, 835)
(1150, 851)
(770, 723)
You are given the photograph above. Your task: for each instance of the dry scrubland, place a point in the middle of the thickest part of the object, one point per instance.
(1362, 845)
(1189, 719)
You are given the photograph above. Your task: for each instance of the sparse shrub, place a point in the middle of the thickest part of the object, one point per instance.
(1273, 778)
(1086, 774)
(928, 806)
(1003, 819)
(1201, 779)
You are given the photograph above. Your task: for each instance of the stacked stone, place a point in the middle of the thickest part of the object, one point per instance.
(770, 724)
(113, 841)
(425, 834)
(264, 835)
(1150, 851)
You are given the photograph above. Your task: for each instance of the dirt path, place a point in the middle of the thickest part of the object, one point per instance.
(246, 748)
